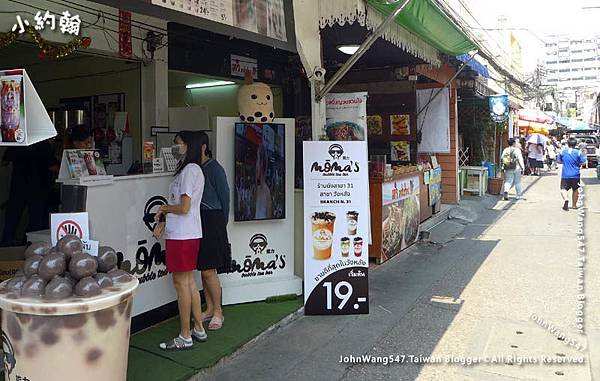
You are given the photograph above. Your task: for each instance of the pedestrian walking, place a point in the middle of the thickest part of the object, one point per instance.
(551, 155)
(183, 233)
(583, 148)
(215, 253)
(571, 159)
(513, 166)
(535, 157)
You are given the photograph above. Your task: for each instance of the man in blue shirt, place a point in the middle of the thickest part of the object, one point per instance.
(571, 159)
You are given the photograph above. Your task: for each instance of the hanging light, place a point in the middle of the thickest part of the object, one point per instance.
(349, 49)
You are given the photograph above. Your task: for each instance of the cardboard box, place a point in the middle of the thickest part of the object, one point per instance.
(11, 260)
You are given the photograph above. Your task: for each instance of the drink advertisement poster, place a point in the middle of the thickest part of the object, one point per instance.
(12, 108)
(336, 228)
(83, 163)
(345, 117)
(401, 215)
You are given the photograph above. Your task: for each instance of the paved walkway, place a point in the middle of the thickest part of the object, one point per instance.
(473, 292)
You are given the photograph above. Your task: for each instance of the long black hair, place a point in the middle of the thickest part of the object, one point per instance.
(194, 142)
(204, 141)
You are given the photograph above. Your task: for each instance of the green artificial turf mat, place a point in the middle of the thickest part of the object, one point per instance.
(243, 322)
(144, 366)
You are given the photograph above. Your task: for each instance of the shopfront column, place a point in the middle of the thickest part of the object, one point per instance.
(308, 43)
(155, 93)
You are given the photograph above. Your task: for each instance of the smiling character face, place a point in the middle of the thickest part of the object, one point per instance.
(255, 103)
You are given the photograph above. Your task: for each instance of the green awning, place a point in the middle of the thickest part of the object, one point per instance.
(427, 21)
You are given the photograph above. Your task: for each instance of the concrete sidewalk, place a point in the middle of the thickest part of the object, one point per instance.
(471, 291)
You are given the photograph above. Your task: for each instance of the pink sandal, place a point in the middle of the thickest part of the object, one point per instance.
(216, 323)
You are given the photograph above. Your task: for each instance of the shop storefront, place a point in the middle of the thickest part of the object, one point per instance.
(189, 80)
(411, 121)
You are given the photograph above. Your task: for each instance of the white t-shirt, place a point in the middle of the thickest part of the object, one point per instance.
(190, 181)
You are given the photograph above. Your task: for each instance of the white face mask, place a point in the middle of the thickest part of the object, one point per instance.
(178, 151)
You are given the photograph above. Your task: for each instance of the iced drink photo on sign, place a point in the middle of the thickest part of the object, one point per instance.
(90, 163)
(10, 109)
(358, 246)
(352, 218)
(345, 243)
(322, 231)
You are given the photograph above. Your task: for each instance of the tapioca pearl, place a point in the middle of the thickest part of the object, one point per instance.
(69, 244)
(52, 265)
(128, 311)
(87, 287)
(14, 328)
(30, 350)
(80, 336)
(93, 355)
(103, 280)
(49, 337)
(59, 288)
(82, 266)
(121, 307)
(264, 119)
(258, 114)
(107, 259)
(75, 321)
(271, 115)
(34, 287)
(242, 117)
(120, 276)
(38, 248)
(24, 318)
(32, 265)
(105, 319)
(250, 119)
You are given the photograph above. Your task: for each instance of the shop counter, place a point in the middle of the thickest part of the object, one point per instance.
(121, 215)
(395, 214)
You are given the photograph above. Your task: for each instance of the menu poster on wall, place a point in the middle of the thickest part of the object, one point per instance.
(401, 215)
(266, 17)
(435, 186)
(336, 228)
(345, 117)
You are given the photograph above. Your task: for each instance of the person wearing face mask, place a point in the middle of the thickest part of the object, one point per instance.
(183, 233)
(215, 254)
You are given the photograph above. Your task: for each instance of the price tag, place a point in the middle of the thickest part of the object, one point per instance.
(158, 165)
(344, 292)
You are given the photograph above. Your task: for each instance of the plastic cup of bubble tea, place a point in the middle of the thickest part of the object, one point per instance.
(358, 246)
(77, 338)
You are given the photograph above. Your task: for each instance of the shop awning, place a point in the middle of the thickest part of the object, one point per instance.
(430, 23)
(474, 64)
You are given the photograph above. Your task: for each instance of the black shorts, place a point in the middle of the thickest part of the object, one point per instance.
(568, 184)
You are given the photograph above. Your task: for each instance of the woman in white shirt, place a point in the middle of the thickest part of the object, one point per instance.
(183, 233)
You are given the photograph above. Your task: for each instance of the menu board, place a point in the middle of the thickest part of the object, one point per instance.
(83, 163)
(401, 215)
(336, 228)
(345, 117)
(266, 17)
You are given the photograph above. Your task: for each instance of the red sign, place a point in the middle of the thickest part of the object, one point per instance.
(69, 227)
(125, 49)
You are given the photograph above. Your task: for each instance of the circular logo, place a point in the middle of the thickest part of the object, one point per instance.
(150, 210)
(336, 151)
(69, 227)
(258, 243)
(20, 135)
